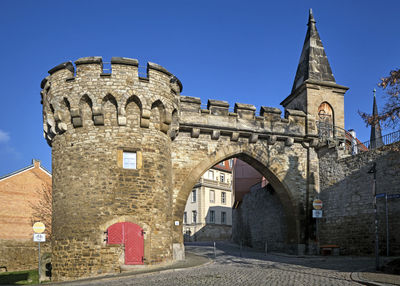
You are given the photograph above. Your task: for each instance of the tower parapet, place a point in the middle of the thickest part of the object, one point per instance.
(66, 88)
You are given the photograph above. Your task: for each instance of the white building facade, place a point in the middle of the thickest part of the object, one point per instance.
(208, 211)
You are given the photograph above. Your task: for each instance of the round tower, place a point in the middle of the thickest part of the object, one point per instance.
(110, 135)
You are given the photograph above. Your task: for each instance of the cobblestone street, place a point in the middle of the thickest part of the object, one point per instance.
(251, 268)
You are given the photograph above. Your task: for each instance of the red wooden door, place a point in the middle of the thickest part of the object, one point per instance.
(131, 235)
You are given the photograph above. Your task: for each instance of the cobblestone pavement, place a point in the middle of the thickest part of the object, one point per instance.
(231, 267)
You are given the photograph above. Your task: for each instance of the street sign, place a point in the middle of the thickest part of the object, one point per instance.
(38, 227)
(394, 196)
(317, 204)
(317, 213)
(381, 195)
(39, 237)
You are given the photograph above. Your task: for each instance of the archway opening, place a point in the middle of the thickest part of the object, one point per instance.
(258, 213)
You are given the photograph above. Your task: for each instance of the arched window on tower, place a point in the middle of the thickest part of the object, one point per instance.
(325, 120)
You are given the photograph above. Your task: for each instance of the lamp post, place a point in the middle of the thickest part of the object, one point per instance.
(373, 171)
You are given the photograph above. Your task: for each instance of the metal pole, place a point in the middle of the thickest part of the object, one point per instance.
(215, 253)
(39, 263)
(376, 227)
(387, 226)
(373, 171)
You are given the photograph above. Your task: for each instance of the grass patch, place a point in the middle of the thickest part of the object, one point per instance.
(27, 277)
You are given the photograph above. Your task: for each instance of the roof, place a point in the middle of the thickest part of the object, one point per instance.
(34, 161)
(313, 62)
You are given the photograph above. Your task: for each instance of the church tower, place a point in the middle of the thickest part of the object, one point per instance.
(315, 90)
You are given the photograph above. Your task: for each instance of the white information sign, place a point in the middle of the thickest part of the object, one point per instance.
(39, 237)
(317, 213)
(177, 222)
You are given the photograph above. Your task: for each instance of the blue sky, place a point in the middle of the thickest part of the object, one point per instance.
(238, 51)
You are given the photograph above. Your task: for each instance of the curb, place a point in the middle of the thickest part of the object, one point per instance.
(355, 276)
(129, 274)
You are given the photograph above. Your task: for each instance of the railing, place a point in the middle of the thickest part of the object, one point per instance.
(328, 132)
(331, 133)
(379, 142)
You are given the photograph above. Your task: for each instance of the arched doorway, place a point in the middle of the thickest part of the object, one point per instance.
(131, 235)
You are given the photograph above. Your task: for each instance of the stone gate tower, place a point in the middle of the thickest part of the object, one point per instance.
(111, 160)
(127, 151)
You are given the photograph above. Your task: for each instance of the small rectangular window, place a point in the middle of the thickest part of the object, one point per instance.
(211, 175)
(212, 216)
(212, 196)
(193, 196)
(222, 178)
(223, 197)
(194, 216)
(184, 217)
(129, 160)
(223, 217)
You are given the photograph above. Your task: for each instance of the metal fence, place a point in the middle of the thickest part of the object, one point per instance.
(330, 133)
(386, 139)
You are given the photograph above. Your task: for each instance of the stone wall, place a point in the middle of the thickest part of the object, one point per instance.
(346, 191)
(260, 219)
(21, 255)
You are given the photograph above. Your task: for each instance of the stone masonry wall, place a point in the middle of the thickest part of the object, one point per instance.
(346, 191)
(260, 219)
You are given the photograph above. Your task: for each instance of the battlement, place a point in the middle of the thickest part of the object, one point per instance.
(216, 120)
(84, 93)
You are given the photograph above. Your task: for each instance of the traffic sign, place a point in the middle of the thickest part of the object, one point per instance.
(317, 204)
(38, 227)
(394, 196)
(317, 213)
(381, 195)
(39, 237)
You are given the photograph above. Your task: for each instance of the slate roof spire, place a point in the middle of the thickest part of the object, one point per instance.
(313, 62)
(376, 135)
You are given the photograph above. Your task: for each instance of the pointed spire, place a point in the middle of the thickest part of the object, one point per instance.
(376, 135)
(313, 62)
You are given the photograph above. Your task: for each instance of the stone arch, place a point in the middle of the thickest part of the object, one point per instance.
(133, 111)
(157, 116)
(290, 207)
(110, 108)
(85, 107)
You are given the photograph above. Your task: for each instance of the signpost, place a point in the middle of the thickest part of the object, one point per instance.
(317, 213)
(39, 237)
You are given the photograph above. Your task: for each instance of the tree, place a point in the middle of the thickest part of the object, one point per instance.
(42, 208)
(390, 114)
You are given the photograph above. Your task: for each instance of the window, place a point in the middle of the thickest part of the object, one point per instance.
(211, 175)
(184, 217)
(223, 217)
(193, 196)
(222, 178)
(212, 216)
(230, 163)
(194, 216)
(129, 160)
(212, 196)
(222, 164)
(223, 197)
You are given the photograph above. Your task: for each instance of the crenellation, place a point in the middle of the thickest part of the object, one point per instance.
(218, 107)
(245, 111)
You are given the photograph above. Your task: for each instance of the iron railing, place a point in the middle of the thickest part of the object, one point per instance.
(385, 139)
(329, 132)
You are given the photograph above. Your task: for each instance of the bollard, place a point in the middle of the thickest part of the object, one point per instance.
(215, 253)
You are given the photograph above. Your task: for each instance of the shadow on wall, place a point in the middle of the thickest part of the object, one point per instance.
(260, 220)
